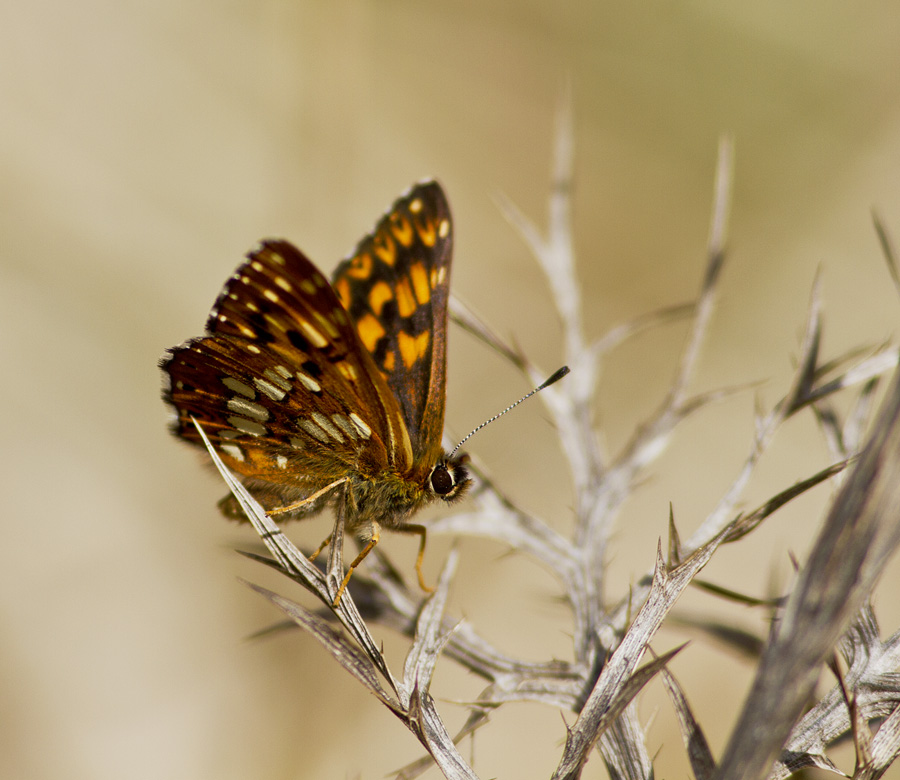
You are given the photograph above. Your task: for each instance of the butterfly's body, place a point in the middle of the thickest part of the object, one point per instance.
(384, 499)
(332, 394)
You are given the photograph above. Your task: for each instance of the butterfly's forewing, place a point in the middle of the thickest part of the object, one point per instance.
(281, 384)
(395, 287)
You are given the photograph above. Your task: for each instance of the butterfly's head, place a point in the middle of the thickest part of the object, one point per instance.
(449, 479)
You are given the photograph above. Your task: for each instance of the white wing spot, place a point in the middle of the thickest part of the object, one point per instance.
(345, 425)
(309, 383)
(444, 228)
(232, 449)
(313, 430)
(240, 406)
(256, 266)
(415, 206)
(317, 339)
(364, 430)
(252, 348)
(281, 461)
(247, 426)
(326, 425)
(252, 306)
(281, 370)
(276, 377)
(235, 385)
(275, 393)
(284, 284)
(272, 296)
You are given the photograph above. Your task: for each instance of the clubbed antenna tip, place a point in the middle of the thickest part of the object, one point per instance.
(557, 375)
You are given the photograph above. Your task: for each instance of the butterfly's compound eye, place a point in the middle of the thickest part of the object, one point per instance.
(442, 481)
(449, 479)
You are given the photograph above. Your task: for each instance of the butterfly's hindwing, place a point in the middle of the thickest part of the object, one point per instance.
(281, 383)
(279, 299)
(268, 421)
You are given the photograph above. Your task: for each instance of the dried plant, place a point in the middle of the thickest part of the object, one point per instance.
(826, 618)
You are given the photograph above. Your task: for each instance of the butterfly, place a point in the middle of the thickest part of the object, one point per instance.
(332, 394)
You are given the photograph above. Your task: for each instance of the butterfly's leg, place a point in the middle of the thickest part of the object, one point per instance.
(356, 561)
(415, 528)
(321, 547)
(309, 500)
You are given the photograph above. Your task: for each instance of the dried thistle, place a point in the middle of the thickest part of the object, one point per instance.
(826, 620)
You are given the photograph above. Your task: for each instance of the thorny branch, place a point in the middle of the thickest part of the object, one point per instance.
(609, 641)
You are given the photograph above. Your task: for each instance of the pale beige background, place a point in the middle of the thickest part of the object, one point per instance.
(146, 146)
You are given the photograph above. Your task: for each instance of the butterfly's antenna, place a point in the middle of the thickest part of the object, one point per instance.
(557, 375)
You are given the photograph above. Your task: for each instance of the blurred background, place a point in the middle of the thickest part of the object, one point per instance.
(146, 146)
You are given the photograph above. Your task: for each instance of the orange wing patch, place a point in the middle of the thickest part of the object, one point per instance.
(379, 295)
(370, 331)
(390, 361)
(427, 232)
(406, 302)
(412, 348)
(361, 267)
(419, 277)
(402, 230)
(342, 288)
(385, 247)
(348, 370)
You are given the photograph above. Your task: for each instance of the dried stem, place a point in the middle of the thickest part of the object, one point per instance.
(828, 610)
